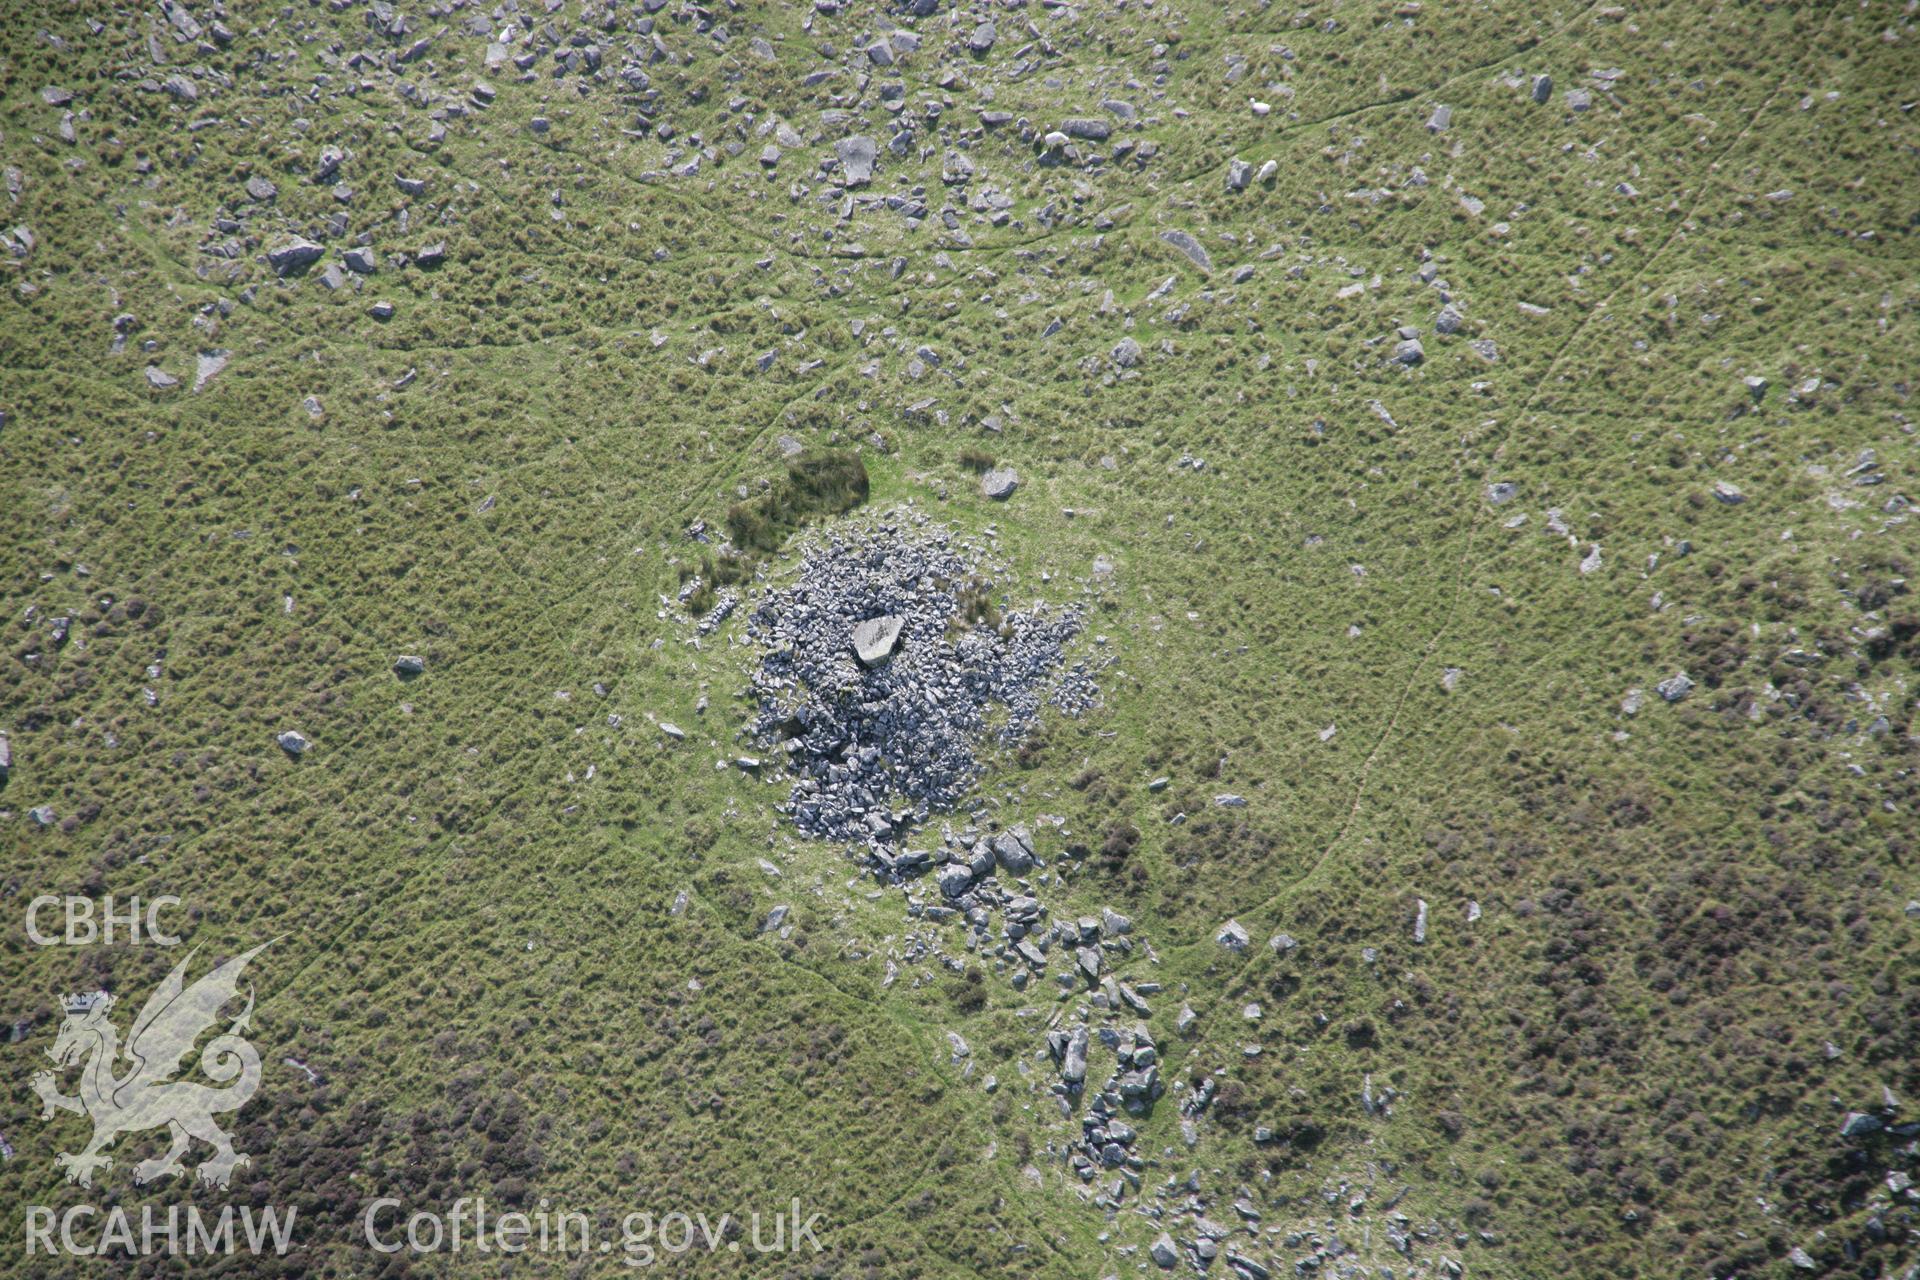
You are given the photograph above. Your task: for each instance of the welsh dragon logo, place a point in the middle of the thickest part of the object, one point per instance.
(145, 1096)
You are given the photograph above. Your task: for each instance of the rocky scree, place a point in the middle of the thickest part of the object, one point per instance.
(873, 747)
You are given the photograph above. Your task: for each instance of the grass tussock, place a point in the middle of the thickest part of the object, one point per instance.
(825, 483)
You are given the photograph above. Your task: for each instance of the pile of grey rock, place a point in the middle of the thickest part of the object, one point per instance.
(877, 690)
(1106, 1140)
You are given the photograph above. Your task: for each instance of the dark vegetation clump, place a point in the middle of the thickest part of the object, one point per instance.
(825, 483)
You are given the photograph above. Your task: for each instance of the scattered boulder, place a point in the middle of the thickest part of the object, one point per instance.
(1860, 1124)
(1232, 935)
(207, 365)
(875, 638)
(292, 741)
(1675, 686)
(856, 155)
(294, 256)
(1195, 251)
(999, 483)
(1073, 1065)
(1164, 1252)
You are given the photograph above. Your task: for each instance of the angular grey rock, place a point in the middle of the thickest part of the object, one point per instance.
(1087, 128)
(42, 815)
(295, 255)
(1440, 120)
(1014, 851)
(292, 741)
(261, 190)
(1420, 922)
(1164, 1252)
(207, 365)
(1449, 320)
(982, 38)
(1409, 352)
(1232, 936)
(856, 156)
(409, 664)
(955, 879)
(360, 260)
(999, 483)
(431, 255)
(1728, 494)
(1073, 1065)
(1860, 1124)
(1675, 687)
(1239, 174)
(875, 638)
(1126, 353)
(1195, 251)
(159, 379)
(1542, 88)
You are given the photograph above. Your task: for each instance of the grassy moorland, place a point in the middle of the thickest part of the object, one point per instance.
(1659, 423)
